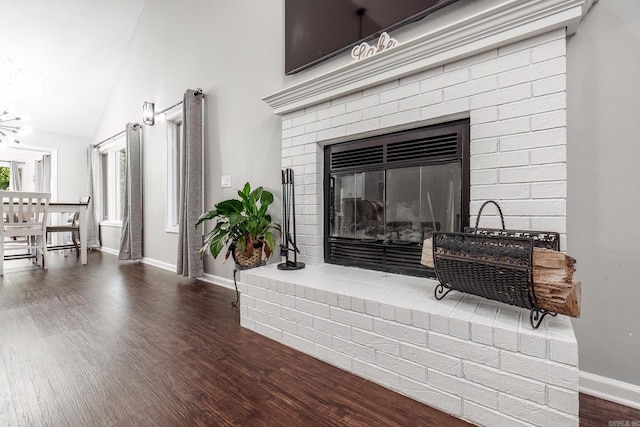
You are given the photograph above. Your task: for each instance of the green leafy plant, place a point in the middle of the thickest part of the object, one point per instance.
(241, 223)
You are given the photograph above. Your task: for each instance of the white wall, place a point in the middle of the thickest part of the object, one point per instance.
(110, 238)
(603, 158)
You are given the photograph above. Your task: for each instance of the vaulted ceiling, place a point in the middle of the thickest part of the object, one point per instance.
(59, 59)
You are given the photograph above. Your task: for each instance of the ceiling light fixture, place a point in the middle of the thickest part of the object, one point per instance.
(148, 113)
(9, 129)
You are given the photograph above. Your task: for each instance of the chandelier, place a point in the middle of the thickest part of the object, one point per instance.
(9, 129)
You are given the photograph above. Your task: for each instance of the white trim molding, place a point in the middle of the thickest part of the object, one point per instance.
(110, 223)
(507, 22)
(160, 264)
(208, 278)
(609, 389)
(109, 250)
(217, 280)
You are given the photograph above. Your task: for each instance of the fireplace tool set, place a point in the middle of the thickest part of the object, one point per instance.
(288, 245)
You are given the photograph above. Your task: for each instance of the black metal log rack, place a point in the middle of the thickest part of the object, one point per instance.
(496, 264)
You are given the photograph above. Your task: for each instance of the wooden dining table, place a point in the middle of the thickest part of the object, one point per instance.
(64, 207)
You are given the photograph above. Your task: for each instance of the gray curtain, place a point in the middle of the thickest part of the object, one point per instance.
(43, 174)
(15, 181)
(189, 237)
(131, 237)
(93, 186)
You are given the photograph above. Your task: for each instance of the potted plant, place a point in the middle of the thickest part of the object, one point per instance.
(242, 224)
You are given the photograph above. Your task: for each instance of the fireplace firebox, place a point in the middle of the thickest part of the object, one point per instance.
(384, 195)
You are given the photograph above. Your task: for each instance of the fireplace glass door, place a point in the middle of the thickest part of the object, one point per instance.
(386, 195)
(358, 205)
(397, 205)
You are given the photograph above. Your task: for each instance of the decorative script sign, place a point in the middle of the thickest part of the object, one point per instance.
(365, 50)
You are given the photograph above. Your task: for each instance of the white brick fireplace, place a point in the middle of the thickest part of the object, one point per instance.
(504, 68)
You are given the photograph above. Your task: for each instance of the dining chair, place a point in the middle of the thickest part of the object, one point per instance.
(24, 226)
(72, 226)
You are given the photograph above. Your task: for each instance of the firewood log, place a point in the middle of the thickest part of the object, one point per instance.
(548, 258)
(551, 266)
(427, 253)
(553, 282)
(562, 301)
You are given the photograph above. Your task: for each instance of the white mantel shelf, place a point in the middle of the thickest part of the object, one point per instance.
(508, 22)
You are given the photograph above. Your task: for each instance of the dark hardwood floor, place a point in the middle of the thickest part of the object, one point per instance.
(598, 412)
(125, 344)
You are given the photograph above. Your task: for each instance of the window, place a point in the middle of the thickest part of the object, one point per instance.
(4, 177)
(114, 170)
(174, 175)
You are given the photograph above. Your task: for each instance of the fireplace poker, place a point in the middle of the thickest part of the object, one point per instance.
(288, 211)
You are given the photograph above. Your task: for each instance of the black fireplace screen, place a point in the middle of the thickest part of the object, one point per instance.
(386, 194)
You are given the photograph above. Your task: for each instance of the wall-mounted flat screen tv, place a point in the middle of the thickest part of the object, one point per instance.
(316, 30)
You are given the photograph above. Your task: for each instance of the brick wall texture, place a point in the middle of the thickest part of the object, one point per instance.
(515, 99)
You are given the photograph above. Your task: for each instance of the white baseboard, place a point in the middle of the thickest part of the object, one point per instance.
(208, 278)
(609, 389)
(109, 251)
(217, 280)
(160, 264)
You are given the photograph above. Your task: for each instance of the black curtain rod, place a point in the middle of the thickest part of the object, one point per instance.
(169, 108)
(113, 136)
(196, 93)
(109, 139)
